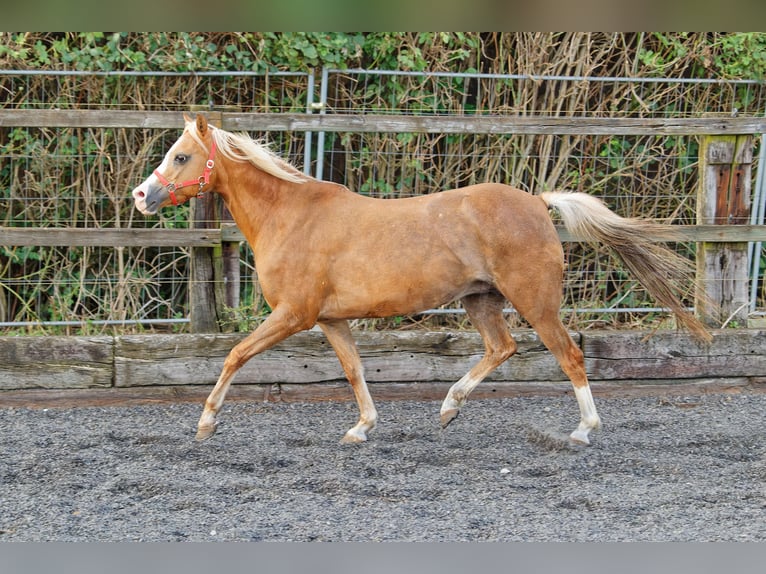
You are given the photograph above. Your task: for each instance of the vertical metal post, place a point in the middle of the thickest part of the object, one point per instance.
(756, 218)
(320, 138)
(309, 109)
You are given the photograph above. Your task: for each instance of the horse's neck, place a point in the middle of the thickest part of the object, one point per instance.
(257, 200)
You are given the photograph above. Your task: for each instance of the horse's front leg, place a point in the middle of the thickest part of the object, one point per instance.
(278, 326)
(339, 335)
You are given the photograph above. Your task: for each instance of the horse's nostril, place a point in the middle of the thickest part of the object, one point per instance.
(140, 194)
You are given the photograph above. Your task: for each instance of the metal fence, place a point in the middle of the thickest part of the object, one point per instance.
(80, 177)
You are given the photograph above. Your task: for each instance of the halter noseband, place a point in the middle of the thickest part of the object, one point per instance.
(201, 181)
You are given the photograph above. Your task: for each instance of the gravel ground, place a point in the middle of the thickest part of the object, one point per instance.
(689, 468)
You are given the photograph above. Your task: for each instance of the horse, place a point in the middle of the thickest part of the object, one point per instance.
(325, 255)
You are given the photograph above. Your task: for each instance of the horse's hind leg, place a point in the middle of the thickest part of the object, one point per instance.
(486, 314)
(339, 335)
(570, 357)
(533, 285)
(541, 309)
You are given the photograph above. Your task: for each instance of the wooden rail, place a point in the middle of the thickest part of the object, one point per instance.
(345, 122)
(692, 233)
(74, 371)
(492, 124)
(109, 237)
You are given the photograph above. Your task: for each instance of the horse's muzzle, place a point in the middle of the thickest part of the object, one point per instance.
(147, 199)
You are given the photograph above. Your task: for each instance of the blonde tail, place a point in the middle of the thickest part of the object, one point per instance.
(661, 271)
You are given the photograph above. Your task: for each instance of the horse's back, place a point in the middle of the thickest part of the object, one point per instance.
(496, 219)
(508, 215)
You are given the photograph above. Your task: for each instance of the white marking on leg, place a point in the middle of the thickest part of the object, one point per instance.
(358, 433)
(368, 415)
(458, 393)
(589, 418)
(207, 419)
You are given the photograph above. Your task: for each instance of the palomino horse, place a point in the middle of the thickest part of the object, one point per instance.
(325, 255)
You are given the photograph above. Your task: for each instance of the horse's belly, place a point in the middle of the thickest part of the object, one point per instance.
(401, 297)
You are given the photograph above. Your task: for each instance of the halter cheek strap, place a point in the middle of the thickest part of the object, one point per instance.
(201, 181)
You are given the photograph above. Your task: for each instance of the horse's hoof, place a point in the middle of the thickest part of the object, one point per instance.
(353, 436)
(580, 438)
(448, 416)
(204, 433)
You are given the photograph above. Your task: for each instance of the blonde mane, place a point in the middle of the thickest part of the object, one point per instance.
(241, 147)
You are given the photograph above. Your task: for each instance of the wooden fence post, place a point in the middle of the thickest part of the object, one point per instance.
(723, 198)
(231, 272)
(205, 290)
(203, 303)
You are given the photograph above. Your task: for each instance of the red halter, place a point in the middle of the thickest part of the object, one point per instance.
(201, 181)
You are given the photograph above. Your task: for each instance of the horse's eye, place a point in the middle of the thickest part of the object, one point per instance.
(181, 158)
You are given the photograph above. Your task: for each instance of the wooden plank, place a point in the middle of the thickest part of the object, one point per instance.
(669, 355)
(435, 356)
(610, 356)
(108, 237)
(308, 358)
(738, 205)
(492, 124)
(691, 233)
(55, 362)
(51, 118)
(700, 233)
(467, 124)
(394, 360)
(723, 233)
(231, 233)
(145, 360)
(447, 356)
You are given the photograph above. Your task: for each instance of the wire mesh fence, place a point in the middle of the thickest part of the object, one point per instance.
(81, 177)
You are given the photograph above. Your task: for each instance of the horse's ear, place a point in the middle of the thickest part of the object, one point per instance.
(201, 125)
(187, 118)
